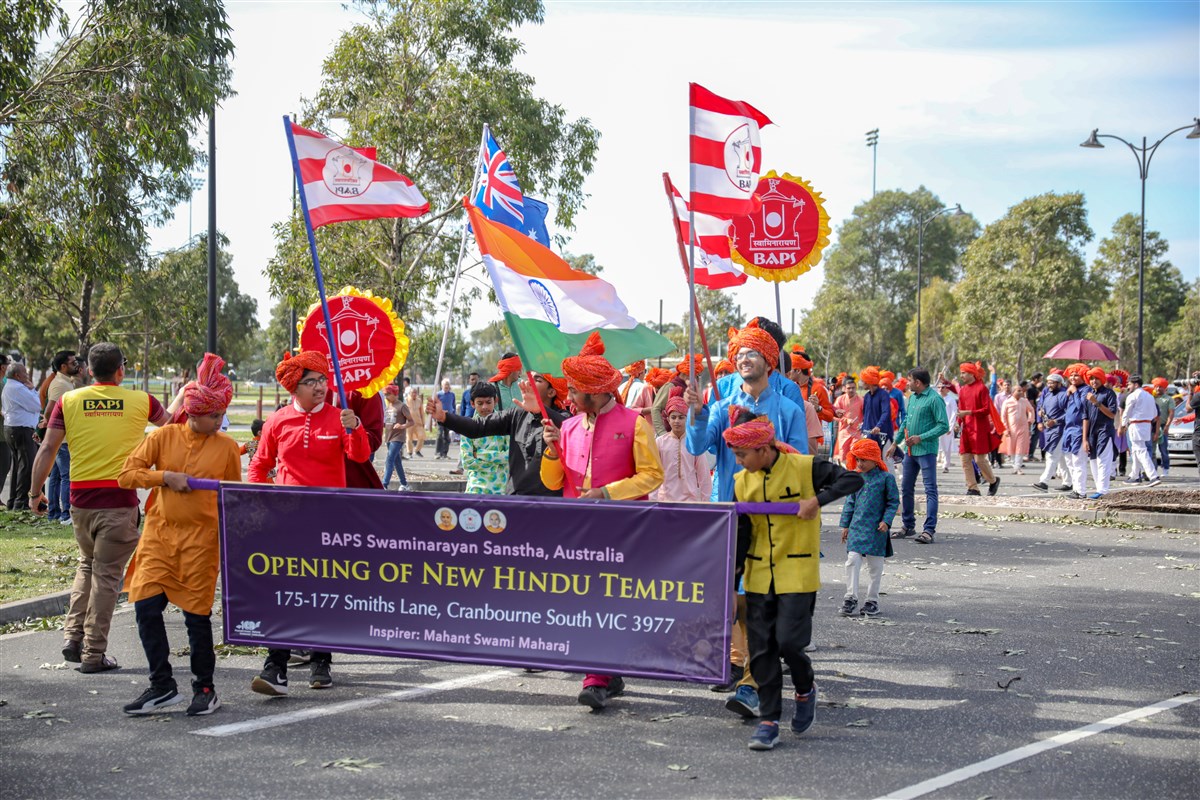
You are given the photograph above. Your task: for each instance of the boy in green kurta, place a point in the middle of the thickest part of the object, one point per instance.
(780, 555)
(485, 460)
(866, 517)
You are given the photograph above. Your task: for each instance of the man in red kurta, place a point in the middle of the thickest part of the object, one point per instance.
(977, 438)
(307, 442)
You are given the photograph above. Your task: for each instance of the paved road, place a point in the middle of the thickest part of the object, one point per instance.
(1094, 621)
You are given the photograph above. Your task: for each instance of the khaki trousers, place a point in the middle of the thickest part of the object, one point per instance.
(985, 469)
(107, 538)
(739, 648)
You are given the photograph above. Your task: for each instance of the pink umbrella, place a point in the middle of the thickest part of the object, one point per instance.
(1081, 350)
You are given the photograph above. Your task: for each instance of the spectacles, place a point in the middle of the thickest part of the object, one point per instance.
(320, 380)
(748, 355)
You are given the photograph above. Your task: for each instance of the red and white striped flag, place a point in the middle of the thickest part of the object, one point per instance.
(343, 183)
(714, 267)
(725, 153)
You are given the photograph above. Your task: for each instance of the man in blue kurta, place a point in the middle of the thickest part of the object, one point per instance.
(1099, 430)
(1051, 414)
(877, 409)
(1072, 440)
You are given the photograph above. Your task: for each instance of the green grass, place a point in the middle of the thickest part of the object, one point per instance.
(36, 556)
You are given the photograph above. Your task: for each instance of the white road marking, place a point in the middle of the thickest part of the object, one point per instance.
(276, 720)
(1020, 753)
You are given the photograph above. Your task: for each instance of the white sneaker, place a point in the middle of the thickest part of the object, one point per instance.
(404, 487)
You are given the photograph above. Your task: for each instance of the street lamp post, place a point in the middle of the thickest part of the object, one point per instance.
(873, 143)
(958, 212)
(1142, 155)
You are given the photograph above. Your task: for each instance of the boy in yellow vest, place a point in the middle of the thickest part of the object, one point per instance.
(101, 424)
(780, 555)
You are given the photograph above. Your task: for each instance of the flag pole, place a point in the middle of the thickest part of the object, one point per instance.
(312, 247)
(683, 261)
(691, 265)
(462, 249)
(778, 307)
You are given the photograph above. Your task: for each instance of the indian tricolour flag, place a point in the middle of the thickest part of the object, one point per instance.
(551, 309)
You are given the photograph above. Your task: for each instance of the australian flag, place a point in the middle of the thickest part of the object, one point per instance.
(500, 199)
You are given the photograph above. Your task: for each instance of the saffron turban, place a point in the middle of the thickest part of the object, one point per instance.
(210, 392)
(506, 367)
(800, 359)
(723, 367)
(971, 368)
(731, 337)
(676, 406)
(1160, 383)
(391, 390)
(841, 377)
(1096, 372)
(867, 450)
(637, 369)
(697, 366)
(755, 338)
(560, 389)
(292, 368)
(1077, 369)
(902, 384)
(658, 377)
(888, 374)
(1121, 375)
(885, 382)
(870, 376)
(590, 372)
(1056, 371)
(759, 432)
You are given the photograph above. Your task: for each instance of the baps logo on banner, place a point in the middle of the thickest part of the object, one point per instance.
(248, 628)
(739, 158)
(347, 173)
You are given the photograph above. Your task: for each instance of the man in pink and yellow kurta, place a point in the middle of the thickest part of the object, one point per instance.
(605, 452)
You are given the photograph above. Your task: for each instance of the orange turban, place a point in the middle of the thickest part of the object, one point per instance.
(755, 338)
(1160, 383)
(841, 377)
(902, 384)
(209, 393)
(723, 367)
(800, 359)
(590, 371)
(292, 368)
(676, 405)
(637, 369)
(1056, 371)
(870, 376)
(506, 367)
(1096, 372)
(885, 381)
(887, 373)
(731, 337)
(971, 368)
(1077, 369)
(759, 432)
(697, 366)
(658, 377)
(868, 450)
(560, 389)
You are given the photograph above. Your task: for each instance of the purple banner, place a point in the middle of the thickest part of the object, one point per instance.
(628, 588)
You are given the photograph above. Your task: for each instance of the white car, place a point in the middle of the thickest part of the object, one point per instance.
(1179, 435)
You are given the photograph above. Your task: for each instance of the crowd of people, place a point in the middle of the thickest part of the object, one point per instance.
(765, 429)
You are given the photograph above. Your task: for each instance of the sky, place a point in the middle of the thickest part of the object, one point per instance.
(984, 104)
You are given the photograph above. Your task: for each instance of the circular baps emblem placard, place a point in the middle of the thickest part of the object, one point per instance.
(783, 238)
(741, 162)
(470, 520)
(549, 308)
(347, 173)
(370, 339)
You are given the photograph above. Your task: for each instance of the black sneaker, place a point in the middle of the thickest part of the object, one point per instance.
(1074, 496)
(1041, 487)
(972, 492)
(72, 651)
(204, 702)
(299, 658)
(1066, 487)
(597, 697)
(272, 681)
(152, 700)
(870, 609)
(736, 673)
(806, 711)
(994, 487)
(849, 606)
(321, 679)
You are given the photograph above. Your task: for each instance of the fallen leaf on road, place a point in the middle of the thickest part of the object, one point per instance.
(351, 764)
(678, 767)
(299, 761)
(115, 769)
(859, 723)
(1014, 652)
(980, 631)
(654, 743)
(665, 717)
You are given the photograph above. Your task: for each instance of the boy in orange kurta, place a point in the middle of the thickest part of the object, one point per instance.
(178, 556)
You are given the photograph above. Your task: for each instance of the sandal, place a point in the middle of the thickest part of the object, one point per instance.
(105, 664)
(924, 537)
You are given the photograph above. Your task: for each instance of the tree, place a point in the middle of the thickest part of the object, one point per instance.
(584, 263)
(938, 309)
(97, 141)
(1115, 268)
(875, 260)
(719, 312)
(831, 329)
(1180, 345)
(417, 81)
(488, 345)
(1024, 287)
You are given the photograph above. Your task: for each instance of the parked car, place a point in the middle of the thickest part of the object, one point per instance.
(1179, 435)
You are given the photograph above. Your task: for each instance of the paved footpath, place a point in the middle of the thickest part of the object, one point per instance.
(1099, 625)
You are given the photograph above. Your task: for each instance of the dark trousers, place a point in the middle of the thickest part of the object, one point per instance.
(779, 625)
(5, 466)
(153, 633)
(23, 451)
(443, 441)
(280, 658)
